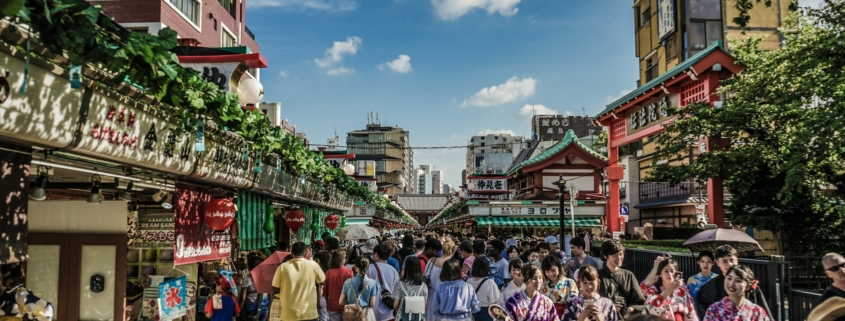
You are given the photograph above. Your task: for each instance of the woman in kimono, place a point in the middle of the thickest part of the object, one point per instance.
(668, 298)
(530, 304)
(557, 287)
(735, 307)
(589, 305)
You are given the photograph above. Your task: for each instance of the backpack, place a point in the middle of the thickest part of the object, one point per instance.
(354, 312)
(413, 304)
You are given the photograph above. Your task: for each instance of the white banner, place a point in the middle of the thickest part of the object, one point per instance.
(489, 185)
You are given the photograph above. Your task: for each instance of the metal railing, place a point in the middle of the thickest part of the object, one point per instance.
(249, 32)
(801, 303)
(656, 191)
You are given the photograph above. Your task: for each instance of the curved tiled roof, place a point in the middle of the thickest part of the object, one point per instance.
(567, 140)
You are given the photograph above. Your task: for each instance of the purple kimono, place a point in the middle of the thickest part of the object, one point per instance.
(540, 308)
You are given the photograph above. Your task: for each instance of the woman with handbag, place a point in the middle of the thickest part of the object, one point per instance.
(363, 289)
(410, 292)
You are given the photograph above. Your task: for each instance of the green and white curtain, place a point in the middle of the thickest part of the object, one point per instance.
(256, 228)
(314, 216)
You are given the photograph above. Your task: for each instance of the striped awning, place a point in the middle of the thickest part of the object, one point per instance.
(505, 221)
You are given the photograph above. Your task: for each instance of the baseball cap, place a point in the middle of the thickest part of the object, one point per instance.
(224, 283)
(510, 242)
(320, 243)
(551, 239)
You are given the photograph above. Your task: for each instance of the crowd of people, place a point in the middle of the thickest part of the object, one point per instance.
(430, 276)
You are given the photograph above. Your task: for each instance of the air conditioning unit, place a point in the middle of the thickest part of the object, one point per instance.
(273, 111)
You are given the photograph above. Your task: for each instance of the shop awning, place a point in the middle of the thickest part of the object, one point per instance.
(353, 221)
(505, 221)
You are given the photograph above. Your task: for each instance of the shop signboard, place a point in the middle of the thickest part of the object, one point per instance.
(195, 241)
(268, 179)
(651, 113)
(151, 248)
(366, 168)
(665, 18)
(554, 127)
(119, 129)
(47, 112)
(370, 183)
(225, 164)
(488, 185)
(226, 75)
(172, 299)
(504, 210)
(360, 210)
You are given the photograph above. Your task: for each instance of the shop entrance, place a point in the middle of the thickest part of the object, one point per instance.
(82, 275)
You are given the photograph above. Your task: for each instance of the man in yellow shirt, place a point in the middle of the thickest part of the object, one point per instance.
(298, 284)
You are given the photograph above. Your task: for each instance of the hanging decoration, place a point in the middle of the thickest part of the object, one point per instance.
(342, 221)
(219, 213)
(331, 221)
(295, 219)
(200, 143)
(269, 225)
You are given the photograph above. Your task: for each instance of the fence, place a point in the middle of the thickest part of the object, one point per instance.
(775, 280)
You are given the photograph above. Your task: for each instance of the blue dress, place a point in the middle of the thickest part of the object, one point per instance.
(695, 283)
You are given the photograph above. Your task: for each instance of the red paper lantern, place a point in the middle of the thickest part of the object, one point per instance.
(294, 219)
(219, 213)
(468, 224)
(331, 221)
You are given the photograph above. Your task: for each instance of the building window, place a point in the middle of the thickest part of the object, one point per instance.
(705, 9)
(190, 8)
(651, 71)
(703, 34)
(645, 15)
(227, 39)
(672, 47)
(482, 144)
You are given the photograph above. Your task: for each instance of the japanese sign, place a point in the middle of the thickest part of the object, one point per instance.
(151, 248)
(665, 18)
(222, 74)
(554, 127)
(489, 185)
(366, 168)
(370, 183)
(195, 241)
(126, 131)
(515, 210)
(650, 113)
(172, 300)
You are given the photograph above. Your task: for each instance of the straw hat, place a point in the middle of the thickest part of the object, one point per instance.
(830, 310)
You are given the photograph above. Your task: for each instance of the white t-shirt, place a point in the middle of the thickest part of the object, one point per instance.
(389, 276)
(488, 293)
(508, 291)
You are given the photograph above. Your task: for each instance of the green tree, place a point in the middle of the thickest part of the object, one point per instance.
(784, 116)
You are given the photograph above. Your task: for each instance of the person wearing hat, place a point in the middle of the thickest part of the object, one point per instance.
(553, 245)
(222, 306)
(832, 309)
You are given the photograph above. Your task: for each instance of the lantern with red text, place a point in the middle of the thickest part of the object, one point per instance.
(219, 213)
(468, 223)
(331, 221)
(294, 219)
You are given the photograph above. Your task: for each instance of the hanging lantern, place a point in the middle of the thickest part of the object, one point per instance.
(468, 223)
(331, 221)
(250, 91)
(295, 219)
(269, 226)
(219, 213)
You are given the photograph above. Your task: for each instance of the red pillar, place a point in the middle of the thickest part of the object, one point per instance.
(716, 202)
(614, 175)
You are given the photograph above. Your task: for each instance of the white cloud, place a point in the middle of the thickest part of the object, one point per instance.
(494, 131)
(301, 5)
(454, 9)
(284, 73)
(338, 50)
(529, 110)
(611, 99)
(567, 113)
(513, 89)
(339, 71)
(401, 65)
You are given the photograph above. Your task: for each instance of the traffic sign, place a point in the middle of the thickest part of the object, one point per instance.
(623, 210)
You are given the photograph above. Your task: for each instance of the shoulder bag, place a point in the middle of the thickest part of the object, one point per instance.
(386, 298)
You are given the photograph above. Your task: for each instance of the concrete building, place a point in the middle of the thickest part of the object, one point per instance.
(205, 23)
(448, 189)
(492, 154)
(389, 147)
(428, 180)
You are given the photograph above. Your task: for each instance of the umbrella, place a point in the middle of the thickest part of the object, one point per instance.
(709, 240)
(262, 275)
(357, 232)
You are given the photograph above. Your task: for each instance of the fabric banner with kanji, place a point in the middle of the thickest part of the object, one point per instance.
(172, 300)
(195, 241)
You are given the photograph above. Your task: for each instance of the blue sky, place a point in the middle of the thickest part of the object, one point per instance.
(430, 66)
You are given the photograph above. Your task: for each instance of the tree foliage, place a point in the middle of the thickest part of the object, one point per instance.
(784, 116)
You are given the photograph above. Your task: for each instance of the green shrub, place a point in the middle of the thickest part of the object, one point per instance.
(658, 245)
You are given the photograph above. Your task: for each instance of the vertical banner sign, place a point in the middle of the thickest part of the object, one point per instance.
(14, 188)
(151, 251)
(665, 18)
(172, 300)
(195, 241)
